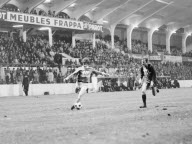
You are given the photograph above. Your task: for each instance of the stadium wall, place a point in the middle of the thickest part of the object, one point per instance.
(185, 83)
(53, 89)
(36, 89)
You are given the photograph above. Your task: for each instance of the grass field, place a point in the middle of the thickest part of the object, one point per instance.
(106, 118)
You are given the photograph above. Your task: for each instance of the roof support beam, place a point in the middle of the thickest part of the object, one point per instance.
(43, 7)
(34, 5)
(154, 13)
(101, 16)
(3, 2)
(86, 9)
(171, 18)
(185, 23)
(176, 24)
(62, 5)
(132, 12)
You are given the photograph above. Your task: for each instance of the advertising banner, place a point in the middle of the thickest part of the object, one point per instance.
(187, 59)
(51, 21)
(92, 27)
(3, 15)
(138, 56)
(43, 20)
(172, 58)
(155, 58)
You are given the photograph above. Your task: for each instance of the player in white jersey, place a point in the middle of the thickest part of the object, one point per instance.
(84, 75)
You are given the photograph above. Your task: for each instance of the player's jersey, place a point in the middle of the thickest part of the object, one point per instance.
(85, 75)
(148, 73)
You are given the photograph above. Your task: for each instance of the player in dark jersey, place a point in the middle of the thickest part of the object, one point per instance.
(84, 75)
(148, 80)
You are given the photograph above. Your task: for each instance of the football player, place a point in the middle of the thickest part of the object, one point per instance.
(84, 75)
(147, 80)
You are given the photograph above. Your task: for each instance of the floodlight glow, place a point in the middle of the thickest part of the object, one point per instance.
(17, 26)
(72, 5)
(189, 34)
(44, 28)
(104, 21)
(156, 29)
(47, 1)
(94, 9)
(174, 31)
(135, 26)
(161, 1)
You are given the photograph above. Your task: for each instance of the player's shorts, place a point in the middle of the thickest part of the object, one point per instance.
(145, 86)
(85, 85)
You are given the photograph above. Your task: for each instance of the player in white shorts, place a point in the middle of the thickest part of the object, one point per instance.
(84, 75)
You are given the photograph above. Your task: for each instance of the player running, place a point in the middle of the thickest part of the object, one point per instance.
(148, 80)
(84, 75)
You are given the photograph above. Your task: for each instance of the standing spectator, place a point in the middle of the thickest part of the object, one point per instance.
(25, 83)
(50, 76)
(131, 82)
(36, 77)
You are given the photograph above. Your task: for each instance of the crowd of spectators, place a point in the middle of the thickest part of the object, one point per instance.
(188, 54)
(42, 62)
(14, 75)
(37, 52)
(139, 47)
(180, 71)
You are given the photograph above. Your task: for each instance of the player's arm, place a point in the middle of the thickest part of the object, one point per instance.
(75, 72)
(98, 72)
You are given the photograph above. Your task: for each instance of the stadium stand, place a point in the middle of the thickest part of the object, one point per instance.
(45, 64)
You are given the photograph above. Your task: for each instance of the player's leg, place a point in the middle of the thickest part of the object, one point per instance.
(93, 87)
(77, 87)
(154, 89)
(144, 97)
(82, 91)
(26, 90)
(156, 85)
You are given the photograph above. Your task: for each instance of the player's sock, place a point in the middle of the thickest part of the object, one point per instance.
(26, 93)
(73, 107)
(153, 91)
(144, 101)
(157, 90)
(77, 90)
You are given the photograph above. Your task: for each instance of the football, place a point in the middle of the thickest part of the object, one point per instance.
(78, 106)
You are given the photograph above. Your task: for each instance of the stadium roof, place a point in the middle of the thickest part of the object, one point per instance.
(173, 14)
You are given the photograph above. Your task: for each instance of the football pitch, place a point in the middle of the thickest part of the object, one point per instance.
(106, 118)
